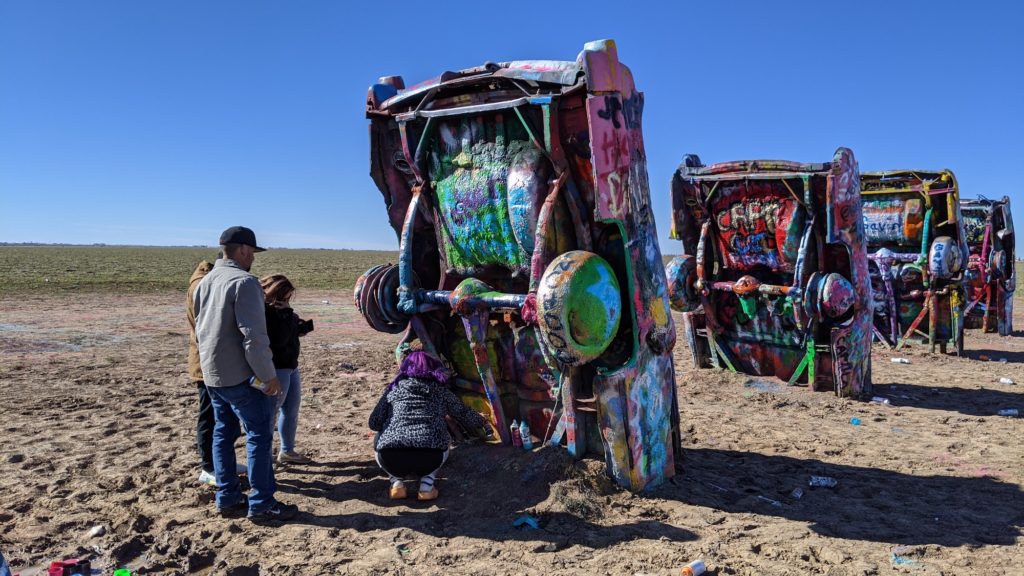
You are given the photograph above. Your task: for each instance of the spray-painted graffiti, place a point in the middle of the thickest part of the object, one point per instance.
(916, 241)
(990, 279)
(893, 220)
(528, 252)
(788, 275)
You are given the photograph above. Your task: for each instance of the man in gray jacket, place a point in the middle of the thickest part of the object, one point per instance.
(234, 352)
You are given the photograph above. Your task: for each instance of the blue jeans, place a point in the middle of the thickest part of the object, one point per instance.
(255, 409)
(288, 406)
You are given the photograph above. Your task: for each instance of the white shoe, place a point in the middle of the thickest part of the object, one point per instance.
(208, 479)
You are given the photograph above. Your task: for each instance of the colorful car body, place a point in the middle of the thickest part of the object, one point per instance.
(528, 252)
(991, 277)
(773, 279)
(918, 256)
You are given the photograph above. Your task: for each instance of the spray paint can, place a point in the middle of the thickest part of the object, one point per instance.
(517, 440)
(695, 568)
(524, 435)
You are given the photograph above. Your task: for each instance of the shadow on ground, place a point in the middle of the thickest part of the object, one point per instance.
(974, 402)
(484, 489)
(867, 504)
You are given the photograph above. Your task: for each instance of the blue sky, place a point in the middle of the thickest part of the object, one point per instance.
(165, 122)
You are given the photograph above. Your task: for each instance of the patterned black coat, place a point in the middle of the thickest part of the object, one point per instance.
(411, 415)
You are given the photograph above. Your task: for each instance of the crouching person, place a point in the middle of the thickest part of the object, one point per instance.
(413, 437)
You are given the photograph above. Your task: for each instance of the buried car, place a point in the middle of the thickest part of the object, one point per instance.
(991, 278)
(773, 278)
(528, 252)
(918, 256)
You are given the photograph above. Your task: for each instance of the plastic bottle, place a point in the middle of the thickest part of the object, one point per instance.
(517, 440)
(695, 568)
(901, 361)
(524, 435)
(879, 400)
(1006, 381)
(1011, 412)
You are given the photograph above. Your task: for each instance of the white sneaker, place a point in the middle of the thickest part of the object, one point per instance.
(208, 479)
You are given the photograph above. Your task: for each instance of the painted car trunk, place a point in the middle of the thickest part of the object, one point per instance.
(773, 279)
(528, 252)
(918, 256)
(991, 275)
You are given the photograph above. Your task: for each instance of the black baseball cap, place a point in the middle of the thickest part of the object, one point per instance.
(240, 235)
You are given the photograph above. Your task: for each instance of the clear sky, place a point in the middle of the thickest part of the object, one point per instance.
(159, 122)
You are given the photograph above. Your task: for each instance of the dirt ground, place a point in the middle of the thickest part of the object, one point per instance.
(98, 428)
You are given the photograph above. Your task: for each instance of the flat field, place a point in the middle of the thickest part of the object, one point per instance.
(97, 428)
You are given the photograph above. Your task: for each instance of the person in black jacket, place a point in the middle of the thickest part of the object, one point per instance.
(284, 328)
(413, 437)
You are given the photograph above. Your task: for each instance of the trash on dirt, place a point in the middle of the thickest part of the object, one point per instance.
(695, 568)
(898, 560)
(763, 386)
(72, 566)
(1009, 412)
(879, 400)
(823, 482)
(1006, 381)
(526, 520)
(775, 503)
(403, 549)
(901, 360)
(97, 530)
(1002, 360)
(855, 421)
(982, 357)
(325, 301)
(797, 493)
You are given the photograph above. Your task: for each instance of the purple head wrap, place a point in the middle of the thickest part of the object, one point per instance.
(421, 365)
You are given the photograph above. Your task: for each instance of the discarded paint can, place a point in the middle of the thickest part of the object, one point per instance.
(879, 400)
(1006, 381)
(524, 434)
(901, 360)
(823, 482)
(1010, 412)
(517, 440)
(695, 568)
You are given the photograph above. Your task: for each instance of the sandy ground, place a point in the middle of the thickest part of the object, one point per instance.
(98, 428)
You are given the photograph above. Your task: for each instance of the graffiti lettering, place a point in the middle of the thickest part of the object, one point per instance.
(755, 244)
(751, 216)
(632, 108)
(612, 107)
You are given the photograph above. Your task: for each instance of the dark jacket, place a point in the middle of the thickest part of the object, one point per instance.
(284, 328)
(411, 415)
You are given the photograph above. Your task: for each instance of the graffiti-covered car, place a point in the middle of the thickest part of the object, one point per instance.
(918, 256)
(773, 279)
(528, 257)
(991, 278)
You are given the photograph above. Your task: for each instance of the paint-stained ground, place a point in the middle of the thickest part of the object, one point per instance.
(97, 428)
